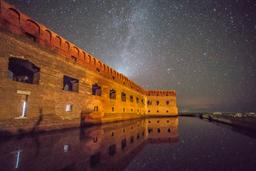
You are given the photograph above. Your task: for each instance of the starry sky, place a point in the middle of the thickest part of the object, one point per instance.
(204, 49)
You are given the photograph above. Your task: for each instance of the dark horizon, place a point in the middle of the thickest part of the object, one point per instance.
(205, 50)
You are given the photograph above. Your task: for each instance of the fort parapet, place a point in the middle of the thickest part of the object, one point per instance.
(46, 78)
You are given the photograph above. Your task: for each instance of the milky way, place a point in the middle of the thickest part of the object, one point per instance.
(204, 49)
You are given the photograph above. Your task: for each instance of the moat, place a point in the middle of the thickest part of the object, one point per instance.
(177, 143)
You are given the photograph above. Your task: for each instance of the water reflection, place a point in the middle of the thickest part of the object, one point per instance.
(105, 147)
(160, 131)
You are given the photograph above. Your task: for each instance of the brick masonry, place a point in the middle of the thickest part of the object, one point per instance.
(23, 38)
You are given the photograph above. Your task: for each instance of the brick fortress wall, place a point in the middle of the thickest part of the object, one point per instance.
(25, 40)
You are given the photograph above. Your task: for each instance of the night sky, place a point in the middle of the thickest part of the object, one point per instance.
(204, 49)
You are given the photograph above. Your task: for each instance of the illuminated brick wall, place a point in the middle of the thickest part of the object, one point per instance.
(63, 84)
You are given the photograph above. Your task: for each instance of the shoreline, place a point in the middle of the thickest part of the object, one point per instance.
(248, 123)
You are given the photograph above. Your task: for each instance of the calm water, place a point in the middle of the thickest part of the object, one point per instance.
(150, 144)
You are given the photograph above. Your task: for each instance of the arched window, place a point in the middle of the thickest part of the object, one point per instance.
(89, 58)
(137, 100)
(96, 108)
(84, 56)
(112, 94)
(157, 102)
(66, 46)
(48, 36)
(149, 102)
(131, 98)
(13, 16)
(58, 41)
(32, 29)
(96, 90)
(150, 130)
(158, 130)
(123, 96)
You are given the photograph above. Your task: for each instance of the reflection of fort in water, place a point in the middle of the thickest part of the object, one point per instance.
(110, 146)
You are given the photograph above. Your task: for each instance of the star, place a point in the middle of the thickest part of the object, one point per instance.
(194, 48)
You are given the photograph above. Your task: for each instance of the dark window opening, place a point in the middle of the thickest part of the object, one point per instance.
(30, 36)
(112, 150)
(150, 130)
(138, 136)
(22, 70)
(157, 103)
(158, 121)
(70, 84)
(113, 109)
(169, 130)
(123, 97)
(132, 139)
(149, 102)
(96, 90)
(123, 109)
(96, 108)
(142, 101)
(158, 130)
(95, 139)
(167, 102)
(131, 98)
(123, 143)
(73, 59)
(148, 111)
(97, 69)
(112, 94)
(157, 111)
(137, 100)
(95, 159)
(167, 111)
(131, 110)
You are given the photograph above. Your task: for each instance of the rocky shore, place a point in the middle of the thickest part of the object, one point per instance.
(242, 120)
